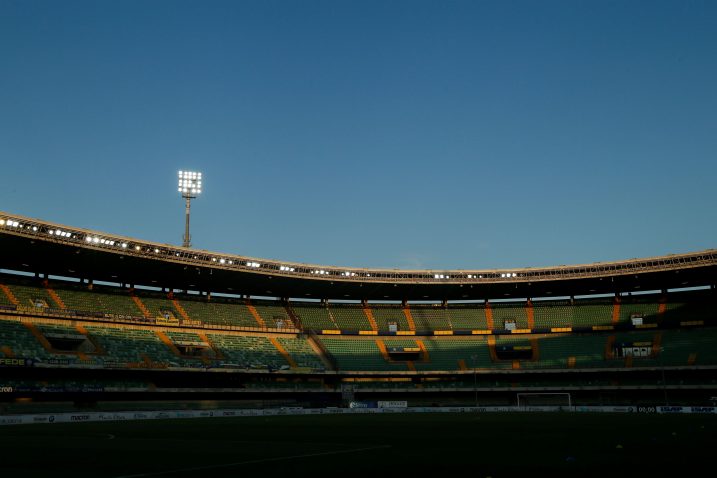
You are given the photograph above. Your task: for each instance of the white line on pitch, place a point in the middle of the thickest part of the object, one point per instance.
(250, 462)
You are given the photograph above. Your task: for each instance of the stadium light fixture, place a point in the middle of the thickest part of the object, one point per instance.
(190, 187)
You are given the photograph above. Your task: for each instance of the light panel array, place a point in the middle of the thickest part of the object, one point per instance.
(190, 183)
(195, 178)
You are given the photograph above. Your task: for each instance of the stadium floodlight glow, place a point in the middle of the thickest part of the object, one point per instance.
(2, 222)
(189, 186)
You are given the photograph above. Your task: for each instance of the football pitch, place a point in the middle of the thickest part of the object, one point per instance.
(477, 445)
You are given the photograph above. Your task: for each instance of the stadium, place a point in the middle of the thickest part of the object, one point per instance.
(467, 237)
(87, 313)
(96, 323)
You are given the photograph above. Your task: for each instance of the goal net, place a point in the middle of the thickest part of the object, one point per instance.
(554, 400)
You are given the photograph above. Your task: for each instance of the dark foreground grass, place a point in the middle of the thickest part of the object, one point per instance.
(406, 445)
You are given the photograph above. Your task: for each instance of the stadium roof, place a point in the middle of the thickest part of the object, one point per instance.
(42, 247)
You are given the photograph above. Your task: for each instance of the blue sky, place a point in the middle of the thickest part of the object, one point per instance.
(402, 134)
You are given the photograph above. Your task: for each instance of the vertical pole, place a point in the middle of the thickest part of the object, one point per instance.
(186, 224)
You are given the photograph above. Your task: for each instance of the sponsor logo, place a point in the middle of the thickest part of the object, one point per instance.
(646, 409)
(10, 421)
(51, 419)
(703, 409)
(13, 362)
(670, 409)
(140, 416)
(5, 389)
(40, 419)
(79, 418)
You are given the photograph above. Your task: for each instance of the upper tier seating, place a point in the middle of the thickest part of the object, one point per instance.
(673, 308)
(349, 317)
(314, 316)
(102, 299)
(431, 318)
(384, 315)
(219, 313)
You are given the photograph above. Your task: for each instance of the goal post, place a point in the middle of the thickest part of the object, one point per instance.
(545, 399)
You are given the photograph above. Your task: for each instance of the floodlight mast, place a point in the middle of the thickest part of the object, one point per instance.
(190, 186)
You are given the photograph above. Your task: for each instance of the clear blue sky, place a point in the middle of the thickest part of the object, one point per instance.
(408, 134)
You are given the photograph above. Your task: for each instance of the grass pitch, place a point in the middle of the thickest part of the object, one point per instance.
(482, 445)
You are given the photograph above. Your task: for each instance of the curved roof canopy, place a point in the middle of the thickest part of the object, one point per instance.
(42, 247)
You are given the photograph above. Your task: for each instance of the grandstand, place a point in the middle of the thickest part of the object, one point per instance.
(86, 312)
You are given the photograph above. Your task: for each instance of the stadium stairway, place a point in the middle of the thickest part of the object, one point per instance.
(178, 307)
(283, 352)
(143, 308)
(529, 313)
(661, 308)
(53, 295)
(409, 319)
(254, 313)
(38, 335)
(217, 351)
(382, 348)
(424, 351)
(7, 351)
(10, 296)
(371, 320)
(98, 348)
(321, 351)
(292, 316)
(616, 310)
(489, 319)
(168, 342)
(491, 347)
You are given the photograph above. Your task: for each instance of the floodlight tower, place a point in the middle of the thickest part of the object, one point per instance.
(190, 186)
